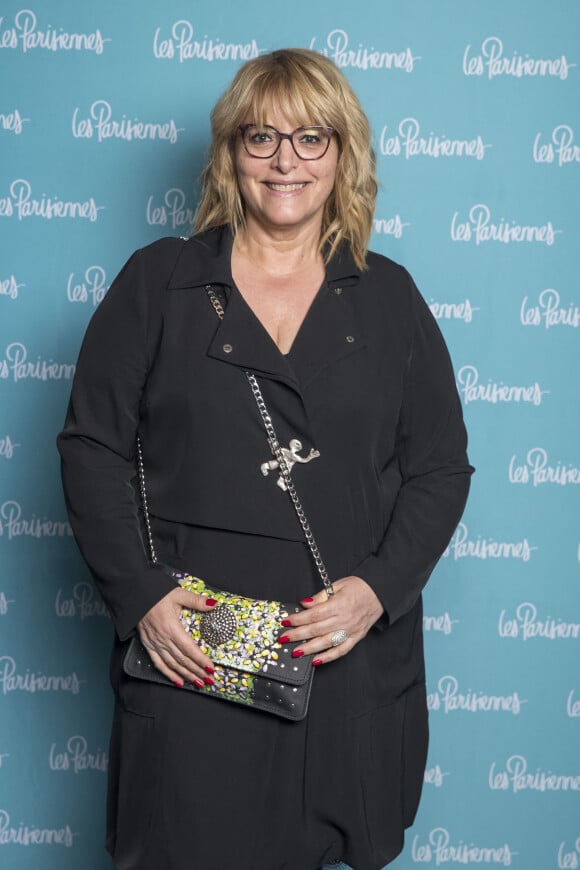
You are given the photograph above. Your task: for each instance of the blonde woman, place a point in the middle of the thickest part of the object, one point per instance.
(359, 384)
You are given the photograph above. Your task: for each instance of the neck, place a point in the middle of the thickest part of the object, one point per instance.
(278, 253)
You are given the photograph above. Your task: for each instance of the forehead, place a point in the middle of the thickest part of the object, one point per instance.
(282, 105)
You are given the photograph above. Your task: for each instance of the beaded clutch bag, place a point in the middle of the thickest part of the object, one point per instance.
(240, 636)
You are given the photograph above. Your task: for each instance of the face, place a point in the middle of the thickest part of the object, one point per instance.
(284, 193)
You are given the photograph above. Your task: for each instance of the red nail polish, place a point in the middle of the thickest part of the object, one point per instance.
(208, 670)
(284, 639)
(178, 683)
(198, 683)
(306, 600)
(297, 653)
(286, 623)
(211, 602)
(208, 681)
(317, 662)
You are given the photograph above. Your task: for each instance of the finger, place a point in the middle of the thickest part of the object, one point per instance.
(308, 631)
(313, 600)
(333, 653)
(189, 659)
(323, 643)
(193, 601)
(171, 673)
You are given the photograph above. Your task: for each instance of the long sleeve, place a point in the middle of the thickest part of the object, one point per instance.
(98, 442)
(431, 453)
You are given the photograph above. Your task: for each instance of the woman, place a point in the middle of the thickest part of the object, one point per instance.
(355, 372)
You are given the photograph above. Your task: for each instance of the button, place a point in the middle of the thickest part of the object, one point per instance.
(227, 348)
(338, 290)
(350, 338)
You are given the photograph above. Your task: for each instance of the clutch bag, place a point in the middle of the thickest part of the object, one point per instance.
(240, 636)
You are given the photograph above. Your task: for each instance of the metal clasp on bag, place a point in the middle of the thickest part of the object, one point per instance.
(218, 625)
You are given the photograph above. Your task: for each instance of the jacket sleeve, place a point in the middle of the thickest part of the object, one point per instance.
(435, 473)
(98, 442)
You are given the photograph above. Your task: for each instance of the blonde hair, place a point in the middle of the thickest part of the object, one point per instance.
(309, 87)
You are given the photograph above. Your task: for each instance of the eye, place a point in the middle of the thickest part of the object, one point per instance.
(260, 136)
(310, 136)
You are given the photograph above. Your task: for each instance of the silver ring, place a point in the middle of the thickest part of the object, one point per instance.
(338, 637)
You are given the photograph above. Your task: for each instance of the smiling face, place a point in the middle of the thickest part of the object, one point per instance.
(284, 194)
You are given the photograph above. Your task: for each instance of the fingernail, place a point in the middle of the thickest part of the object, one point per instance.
(284, 639)
(208, 670)
(306, 600)
(211, 602)
(208, 681)
(286, 623)
(178, 683)
(317, 662)
(297, 653)
(198, 683)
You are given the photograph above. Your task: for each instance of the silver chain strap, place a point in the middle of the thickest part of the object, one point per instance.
(277, 452)
(141, 469)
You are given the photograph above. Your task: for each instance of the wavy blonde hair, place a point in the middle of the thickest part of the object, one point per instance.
(308, 87)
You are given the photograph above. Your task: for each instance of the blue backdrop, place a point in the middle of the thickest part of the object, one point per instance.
(474, 106)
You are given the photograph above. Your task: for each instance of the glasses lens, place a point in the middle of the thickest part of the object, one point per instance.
(311, 142)
(261, 141)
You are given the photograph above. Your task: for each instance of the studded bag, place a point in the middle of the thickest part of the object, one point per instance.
(240, 634)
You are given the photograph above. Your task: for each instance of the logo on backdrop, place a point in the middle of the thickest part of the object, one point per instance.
(14, 525)
(99, 122)
(180, 44)
(569, 859)
(572, 706)
(480, 228)
(173, 211)
(449, 699)
(393, 226)
(438, 849)
(537, 470)
(92, 288)
(461, 546)
(12, 680)
(338, 48)
(76, 756)
(435, 776)
(453, 310)
(82, 604)
(16, 366)
(10, 287)
(22, 204)
(492, 62)
(561, 149)
(26, 35)
(516, 777)
(443, 623)
(13, 122)
(5, 603)
(409, 142)
(7, 447)
(28, 835)
(525, 624)
(472, 391)
(548, 311)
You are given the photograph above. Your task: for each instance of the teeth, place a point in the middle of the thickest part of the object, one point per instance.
(285, 187)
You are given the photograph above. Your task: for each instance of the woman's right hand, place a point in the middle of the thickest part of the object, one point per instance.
(172, 650)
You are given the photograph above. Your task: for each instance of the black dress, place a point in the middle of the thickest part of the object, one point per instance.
(196, 784)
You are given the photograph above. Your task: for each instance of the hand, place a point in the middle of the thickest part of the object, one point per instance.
(172, 650)
(354, 607)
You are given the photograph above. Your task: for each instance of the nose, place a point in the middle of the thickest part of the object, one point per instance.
(285, 158)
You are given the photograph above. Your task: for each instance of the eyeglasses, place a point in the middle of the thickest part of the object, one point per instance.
(309, 143)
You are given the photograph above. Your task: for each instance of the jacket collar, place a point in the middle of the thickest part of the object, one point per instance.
(206, 259)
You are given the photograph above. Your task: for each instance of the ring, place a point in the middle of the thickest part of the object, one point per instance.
(338, 637)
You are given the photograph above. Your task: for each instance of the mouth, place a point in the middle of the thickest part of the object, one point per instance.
(285, 188)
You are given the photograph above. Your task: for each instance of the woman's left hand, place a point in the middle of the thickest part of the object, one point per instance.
(353, 608)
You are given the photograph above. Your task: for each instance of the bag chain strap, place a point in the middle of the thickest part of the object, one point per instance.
(277, 451)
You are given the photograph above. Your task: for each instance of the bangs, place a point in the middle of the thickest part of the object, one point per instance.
(292, 94)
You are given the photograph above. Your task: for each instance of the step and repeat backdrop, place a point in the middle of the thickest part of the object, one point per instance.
(475, 111)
